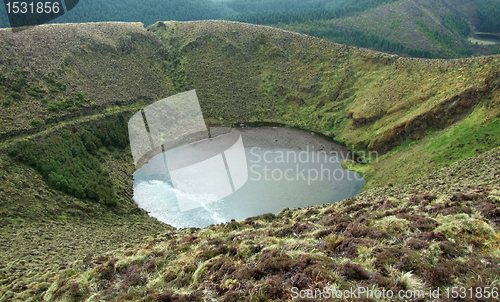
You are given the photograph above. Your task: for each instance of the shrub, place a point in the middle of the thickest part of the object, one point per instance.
(333, 241)
(34, 94)
(354, 271)
(60, 86)
(91, 143)
(80, 96)
(37, 89)
(74, 291)
(55, 86)
(408, 281)
(67, 104)
(14, 95)
(18, 84)
(35, 123)
(53, 106)
(107, 270)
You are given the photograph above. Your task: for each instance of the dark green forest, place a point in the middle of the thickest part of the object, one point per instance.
(150, 11)
(457, 25)
(145, 11)
(252, 11)
(340, 10)
(489, 14)
(362, 39)
(70, 162)
(259, 6)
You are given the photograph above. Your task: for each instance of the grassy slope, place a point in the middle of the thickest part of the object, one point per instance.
(112, 63)
(364, 99)
(42, 229)
(441, 231)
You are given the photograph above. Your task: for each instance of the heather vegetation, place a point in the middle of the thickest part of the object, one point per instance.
(439, 232)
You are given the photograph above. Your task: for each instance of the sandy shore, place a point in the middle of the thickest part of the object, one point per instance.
(291, 138)
(483, 42)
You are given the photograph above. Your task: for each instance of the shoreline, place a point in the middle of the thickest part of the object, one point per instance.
(290, 138)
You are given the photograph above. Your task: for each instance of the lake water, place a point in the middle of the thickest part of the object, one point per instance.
(242, 173)
(485, 38)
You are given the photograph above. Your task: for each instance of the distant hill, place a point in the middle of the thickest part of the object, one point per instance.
(151, 11)
(420, 28)
(438, 26)
(145, 11)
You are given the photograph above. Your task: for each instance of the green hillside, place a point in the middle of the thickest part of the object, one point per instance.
(422, 28)
(67, 91)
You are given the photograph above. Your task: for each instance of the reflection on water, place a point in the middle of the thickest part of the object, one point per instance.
(277, 178)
